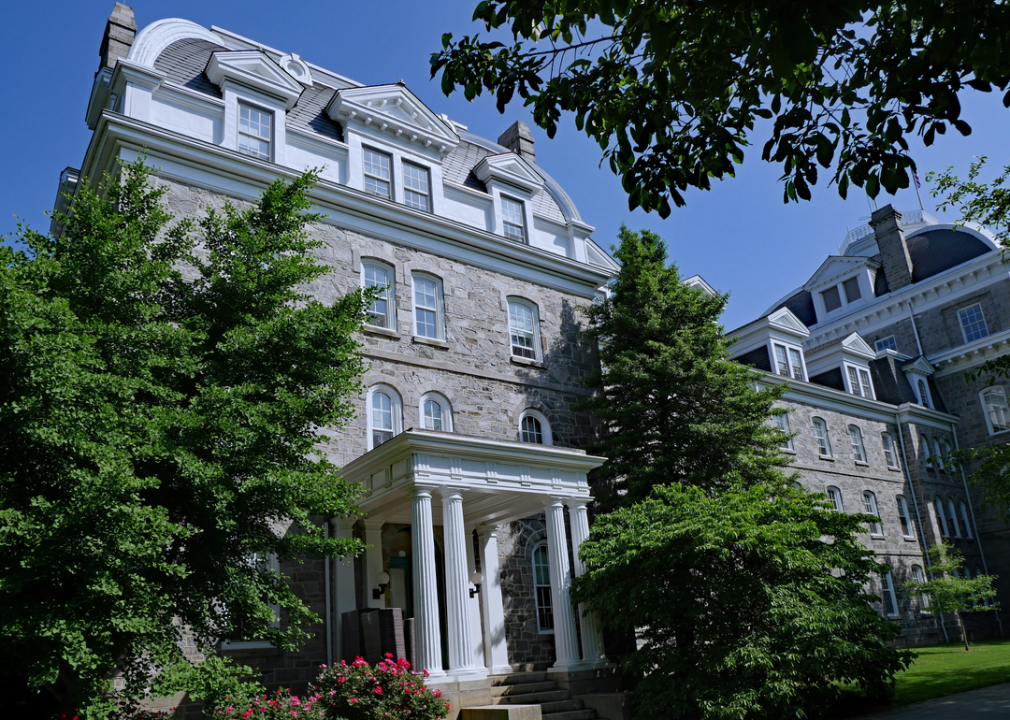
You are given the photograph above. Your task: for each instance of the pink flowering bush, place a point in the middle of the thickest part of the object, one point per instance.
(281, 705)
(387, 691)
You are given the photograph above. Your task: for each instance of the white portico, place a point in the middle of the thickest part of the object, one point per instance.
(464, 484)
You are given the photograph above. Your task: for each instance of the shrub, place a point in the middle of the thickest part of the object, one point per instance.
(281, 705)
(388, 691)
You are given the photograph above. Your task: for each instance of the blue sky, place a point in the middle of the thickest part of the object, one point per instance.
(740, 236)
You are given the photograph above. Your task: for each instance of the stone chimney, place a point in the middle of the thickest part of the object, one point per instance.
(886, 224)
(519, 140)
(119, 34)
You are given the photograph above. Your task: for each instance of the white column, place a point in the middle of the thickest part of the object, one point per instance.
(566, 644)
(422, 543)
(592, 637)
(343, 580)
(495, 650)
(373, 562)
(457, 586)
(476, 636)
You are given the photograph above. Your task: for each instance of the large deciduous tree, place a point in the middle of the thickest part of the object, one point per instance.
(673, 91)
(162, 386)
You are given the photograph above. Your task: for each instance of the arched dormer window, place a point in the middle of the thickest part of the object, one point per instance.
(436, 413)
(385, 415)
(524, 329)
(534, 428)
(922, 391)
(542, 589)
(382, 313)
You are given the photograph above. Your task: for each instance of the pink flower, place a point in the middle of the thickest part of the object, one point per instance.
(377, 690)
(295, 700)
(437, 693)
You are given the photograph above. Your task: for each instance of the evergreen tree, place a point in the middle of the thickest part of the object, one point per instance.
(162, 387)
(674, 407)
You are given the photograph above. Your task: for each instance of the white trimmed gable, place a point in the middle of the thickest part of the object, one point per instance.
(785, 321)
(855, 345)
(254, 69)
(852, 350)
(395, 110)
(780, 326)
(511, 169)
(834, 268)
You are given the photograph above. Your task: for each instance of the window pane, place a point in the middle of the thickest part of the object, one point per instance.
(782, 423)
(432, 415)
(832, 301)
(382, 419)
(856, 438)
(940, 519)
(890, 604)
(415, 186)
(835, 495)
(887, 343)
(254, 132)
(853, 380)
(781, 363)
(531, 431)
(378, 314)
(996, 407)
(851, 289)
(521, 330)
(864, 384)
(512, 219)
(542, 586)
(376, 167)
(821, 433)
(426, 308)
(973, 323)
(797, 362)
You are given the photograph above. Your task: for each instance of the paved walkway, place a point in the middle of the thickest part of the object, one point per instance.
(991, 703)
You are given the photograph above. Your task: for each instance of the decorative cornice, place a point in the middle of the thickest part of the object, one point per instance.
(511, 169)
(256, 70)
(971, 354)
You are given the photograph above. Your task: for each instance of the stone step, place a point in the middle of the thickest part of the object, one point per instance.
(520, 688)
(518, 678)
(501, 712)
(571, 715)
(561, 706)
(533, 698)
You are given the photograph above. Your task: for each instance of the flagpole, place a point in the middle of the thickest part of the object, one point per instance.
(915, 176)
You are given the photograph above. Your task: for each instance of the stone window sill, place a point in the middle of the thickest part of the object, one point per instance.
(385, 332)
(860, 463)
(431, 341)
(894, 469)
(826, 457)
(876, 536)
(787, 451)
(527, 361)
(908, 538)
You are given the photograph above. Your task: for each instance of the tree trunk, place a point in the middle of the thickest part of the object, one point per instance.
(964, 633)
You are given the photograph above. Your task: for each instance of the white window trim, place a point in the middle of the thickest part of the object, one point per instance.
(918, 386)
(789, 360)
(840, 507)
(966, 520)
(392, 173)
(522, 206)
(940, 516)
(233, 94)
(536, 609)
(865, 294)
(985, 408)
(876, 344)
(427, 171)
(443, 403)
(782, 423)
(395, 407)
(952, 514)
(903, 513)
(960, 323)
(888, 587)
(273, 565)
(827, 437)
(894, 464)
(545, 426)
(439, 305)
(876, 529)
(921, 577)
(269, 112)
(390, 291)
(855, 440)
(858, 392)
(537, 342)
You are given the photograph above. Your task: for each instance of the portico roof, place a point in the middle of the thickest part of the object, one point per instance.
(500, 481)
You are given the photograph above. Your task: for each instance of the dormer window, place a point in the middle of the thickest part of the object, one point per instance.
(254, 131)
(973, 325)
(789, 362)
(887, 343)
(512, 219)
(858, 380)
(377, 174)
(847, 290)
(416, 192)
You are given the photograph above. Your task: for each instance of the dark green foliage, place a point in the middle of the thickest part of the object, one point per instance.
(671, 90)
(749, 604)
(674, 407)
(161, 389)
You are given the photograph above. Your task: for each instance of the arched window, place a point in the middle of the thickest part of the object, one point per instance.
(966, 521)
(429, 313)
(924, 455)
(997, 412)
(919, 576)
(937, 455)
(534, 428)
(835, 496)
(870, 505)
(954, 524)
(856, 440)
(821, 433)
(922, 390)
(946, 456)
(907, 529)
(940, 519)
(542, 589)
(889, 598)
(890, 456)
(436, 414)
(782, 423)
(524, 329)
(385, 415)
(382, 313)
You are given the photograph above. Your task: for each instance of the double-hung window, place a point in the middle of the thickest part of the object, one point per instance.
(997, 412)
(972, 321)
(924, 455)
(377, 173)
(380, 314)
(254, 131)
(889, 598)
(542, 589)
(835, 496)
(920, 576)
(821, 434)
(523, 329)
(782, 423)
(887, 343)
(416, 187)
(788, 362)
(513, 224)
(966, 520)
(428, 312)
(922, 390)
(890, 456)
(907, 529)
(870, 505)
(856, 440)
(937, 454)
(952, 514)
(859, 382)
(382, 418)
(940, 519)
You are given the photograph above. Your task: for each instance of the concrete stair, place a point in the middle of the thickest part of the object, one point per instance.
(520, 695)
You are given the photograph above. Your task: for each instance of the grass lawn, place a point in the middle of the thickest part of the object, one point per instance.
(947, 669)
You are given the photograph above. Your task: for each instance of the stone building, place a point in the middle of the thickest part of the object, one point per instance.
(875, 346)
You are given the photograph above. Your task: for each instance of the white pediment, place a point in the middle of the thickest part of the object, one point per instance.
(698, 283)
(395, 110)
(919, 366)
(855, 344)
(835, 267)
(784, 319)
(254, 69)
(509, 168)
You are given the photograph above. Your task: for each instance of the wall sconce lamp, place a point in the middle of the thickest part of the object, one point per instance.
(476, 579)
(382, 579)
